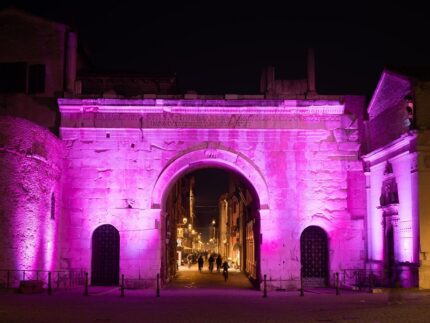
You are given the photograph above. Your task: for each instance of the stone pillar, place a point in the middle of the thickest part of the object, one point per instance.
(368, 242)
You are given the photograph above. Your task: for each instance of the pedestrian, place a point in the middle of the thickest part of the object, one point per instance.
(218, 263)
(225, 268)
(200, 262)
(211, 263)
(190, 260)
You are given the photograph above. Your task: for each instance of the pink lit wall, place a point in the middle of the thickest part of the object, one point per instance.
(122, 156)
(30, 172)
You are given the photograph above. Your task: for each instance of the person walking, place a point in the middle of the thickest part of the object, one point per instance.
(218, 263)
(200, 262)
(190, 260)
(225, 268)
(211, 263)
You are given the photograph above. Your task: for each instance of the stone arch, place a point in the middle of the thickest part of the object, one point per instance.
(204, 158)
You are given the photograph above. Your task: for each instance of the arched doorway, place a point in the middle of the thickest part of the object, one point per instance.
(105, 256)
(314, 257)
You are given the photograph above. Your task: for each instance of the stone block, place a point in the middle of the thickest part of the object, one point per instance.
(31, 286)
(349, 146)
(340, 135)
(331, 125)
(353, 135)
(327, 146)
(349, 121)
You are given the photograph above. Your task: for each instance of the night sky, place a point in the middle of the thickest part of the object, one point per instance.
(209, 186)
(217, 47)
(221, 46)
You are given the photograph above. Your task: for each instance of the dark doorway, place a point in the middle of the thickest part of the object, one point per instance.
(389, 258)
(105, 256)
(314, 257)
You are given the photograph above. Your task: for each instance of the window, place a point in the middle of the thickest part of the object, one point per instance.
(18, 77)
(13, 77)
(52, 206)
(36, 79)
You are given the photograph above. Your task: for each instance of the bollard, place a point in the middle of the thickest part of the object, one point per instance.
(37, 275)
(158, 285)
(265, 287)
(301, 285)
(86, 284)
(23, 275)
(58, 280)
(49, 284)
(8, 280)
(122, 285)
(337, 283)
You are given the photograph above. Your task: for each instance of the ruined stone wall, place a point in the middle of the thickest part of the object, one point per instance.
(30, 172)
(309, 162)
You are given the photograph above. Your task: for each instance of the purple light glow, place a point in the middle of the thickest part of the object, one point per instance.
(123, 156)
(30, 171)
(293, 153)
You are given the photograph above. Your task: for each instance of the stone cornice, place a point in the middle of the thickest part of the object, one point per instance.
(235, 134)
(247, 107)
(197, 121)
(404, 144)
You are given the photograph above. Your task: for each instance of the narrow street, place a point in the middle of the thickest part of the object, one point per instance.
(192, 278)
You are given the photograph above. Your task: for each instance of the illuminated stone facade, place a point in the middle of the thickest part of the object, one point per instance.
(115, 161)
(398, 180)
(301, 157)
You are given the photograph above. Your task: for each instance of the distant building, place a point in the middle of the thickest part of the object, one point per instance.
(37, 66)
(40, 62)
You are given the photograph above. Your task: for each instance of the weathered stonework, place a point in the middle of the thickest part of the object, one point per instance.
(31, 174)
(122, 150)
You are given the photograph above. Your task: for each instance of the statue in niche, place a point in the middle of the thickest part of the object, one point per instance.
(388, 169)
(389, 193)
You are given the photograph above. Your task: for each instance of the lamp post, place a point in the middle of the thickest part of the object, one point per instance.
(214, 237)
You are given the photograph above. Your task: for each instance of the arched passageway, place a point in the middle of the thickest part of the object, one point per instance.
(211, 211)
(314, 257)
(105, 256)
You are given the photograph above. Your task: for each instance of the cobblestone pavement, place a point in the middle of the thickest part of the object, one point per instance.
(205, 297)
(192, 278)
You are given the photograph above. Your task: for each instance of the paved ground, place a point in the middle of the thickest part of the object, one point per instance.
(205, 297)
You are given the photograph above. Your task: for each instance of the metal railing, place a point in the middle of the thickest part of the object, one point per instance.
(361, 278)
(351, 279)
(60, 279)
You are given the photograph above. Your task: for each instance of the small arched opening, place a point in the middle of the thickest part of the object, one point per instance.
(105, 256)
(314, 257)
